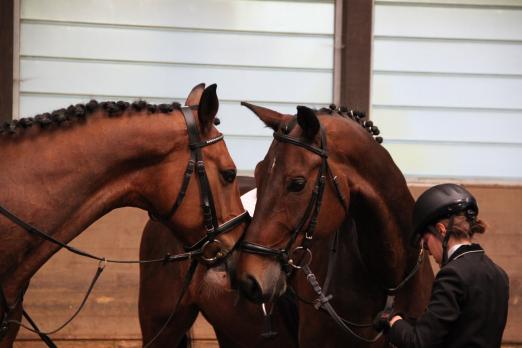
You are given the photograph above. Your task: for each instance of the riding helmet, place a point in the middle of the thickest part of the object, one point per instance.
(439, 202)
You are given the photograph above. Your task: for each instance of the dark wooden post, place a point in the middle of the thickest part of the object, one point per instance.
(354, 52)
(6, 59)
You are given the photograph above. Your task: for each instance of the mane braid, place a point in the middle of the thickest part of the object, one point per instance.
(80, 112)
(356, 116)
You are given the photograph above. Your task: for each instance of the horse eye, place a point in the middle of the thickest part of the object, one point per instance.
(296, 184)
(229, 175)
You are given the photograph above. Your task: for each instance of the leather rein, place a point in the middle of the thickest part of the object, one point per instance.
(287, 257)
(196, 252)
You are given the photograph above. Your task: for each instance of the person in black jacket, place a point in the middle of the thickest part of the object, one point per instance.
(469, 299)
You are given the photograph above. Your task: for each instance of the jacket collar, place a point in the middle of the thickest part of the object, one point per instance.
(466, 249)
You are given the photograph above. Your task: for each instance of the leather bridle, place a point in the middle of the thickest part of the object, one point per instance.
(313, 208)
(210, 221)
(286, 257)
(195, 252)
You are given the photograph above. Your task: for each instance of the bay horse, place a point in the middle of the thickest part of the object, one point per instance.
(61, 171)
(328, 189)
(237, 322)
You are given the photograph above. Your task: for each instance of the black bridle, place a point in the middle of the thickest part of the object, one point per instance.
(313, 208)
(195, 252)
(286, 257)
(210, 221)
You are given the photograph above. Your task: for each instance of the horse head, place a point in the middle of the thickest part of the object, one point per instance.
(210, 202)
(322, 168)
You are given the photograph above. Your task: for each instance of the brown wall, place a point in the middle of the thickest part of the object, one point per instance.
(110, 316)
(356, 54)
(6, 59)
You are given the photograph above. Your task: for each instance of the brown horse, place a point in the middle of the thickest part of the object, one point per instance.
(77, 164)
(325, 173)
(236, 321)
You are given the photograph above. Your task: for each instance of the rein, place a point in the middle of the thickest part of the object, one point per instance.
(196, 252)
(286, 257)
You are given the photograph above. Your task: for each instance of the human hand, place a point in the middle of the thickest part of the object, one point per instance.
(381, 322)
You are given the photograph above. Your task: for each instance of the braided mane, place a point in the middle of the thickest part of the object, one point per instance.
(356, 116)
(80, 112)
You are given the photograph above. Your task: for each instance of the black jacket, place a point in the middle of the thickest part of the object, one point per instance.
(468, 306)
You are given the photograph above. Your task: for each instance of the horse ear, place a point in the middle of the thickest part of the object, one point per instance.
(308, 121)
(195, 95)
(208, 108)
(271, 118)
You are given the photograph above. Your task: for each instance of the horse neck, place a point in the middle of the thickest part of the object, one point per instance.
(62, 180)
(380, 204)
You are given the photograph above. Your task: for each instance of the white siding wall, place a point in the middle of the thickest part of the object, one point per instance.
(274, 53)
(447, 87)
(447, 78)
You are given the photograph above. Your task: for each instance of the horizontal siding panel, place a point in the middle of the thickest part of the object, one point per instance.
(235, 119)
(446, 90)
(488, 3)
(457, 161)
(239, 120)
(445, 56)
(31, 105)
(448, 22)
(171, 81)
(181, 46)
(487, 126)
(244, 15)
(248, 151)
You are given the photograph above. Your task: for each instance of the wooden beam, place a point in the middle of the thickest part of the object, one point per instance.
(6, 59)
(355, 53)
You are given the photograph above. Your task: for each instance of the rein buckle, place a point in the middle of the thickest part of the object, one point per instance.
(319, 302)
(306, 258)
(218, 255)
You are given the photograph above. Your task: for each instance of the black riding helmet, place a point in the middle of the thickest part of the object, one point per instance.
(439, 202)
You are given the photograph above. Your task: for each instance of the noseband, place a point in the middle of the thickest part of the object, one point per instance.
(284, 255)
(210, 221)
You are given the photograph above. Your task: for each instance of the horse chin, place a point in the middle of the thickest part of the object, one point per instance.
(264, 287)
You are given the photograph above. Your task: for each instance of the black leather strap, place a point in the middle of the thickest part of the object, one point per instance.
(45, 338)
(204, 143)
(230, 224)
(298, 142)
(44, 335)
(186, 282)
(254, 248)
(323, 302)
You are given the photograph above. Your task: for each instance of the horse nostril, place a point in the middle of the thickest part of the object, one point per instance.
(250, 288)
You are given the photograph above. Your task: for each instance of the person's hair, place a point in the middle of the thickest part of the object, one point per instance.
(465, 227)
